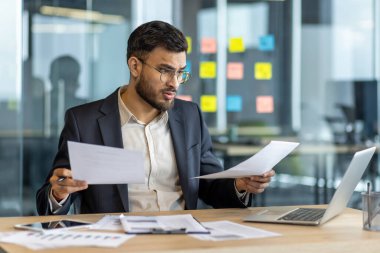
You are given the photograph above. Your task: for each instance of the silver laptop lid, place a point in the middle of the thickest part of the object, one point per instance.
(349, 182)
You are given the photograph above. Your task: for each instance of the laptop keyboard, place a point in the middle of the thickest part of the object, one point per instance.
(304, 214)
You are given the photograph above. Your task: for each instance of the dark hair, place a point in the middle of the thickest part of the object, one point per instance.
(148, 36)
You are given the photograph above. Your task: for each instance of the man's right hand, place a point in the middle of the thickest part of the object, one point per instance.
(63, 184)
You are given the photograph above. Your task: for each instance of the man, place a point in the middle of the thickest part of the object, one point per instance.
(64, 79)
(144, 115)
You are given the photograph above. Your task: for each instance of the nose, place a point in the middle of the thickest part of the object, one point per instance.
(173, 81)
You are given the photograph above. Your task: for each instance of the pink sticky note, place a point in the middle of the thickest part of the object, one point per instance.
(208, 46)
(264, 104)
(185, 97)
(235, 70)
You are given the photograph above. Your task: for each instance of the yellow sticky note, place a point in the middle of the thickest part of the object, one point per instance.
(207, 69)
(263, 71)
(189, 46)
(236, 45)
(208, 103)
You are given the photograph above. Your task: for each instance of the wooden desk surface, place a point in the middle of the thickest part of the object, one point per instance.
(342, 234)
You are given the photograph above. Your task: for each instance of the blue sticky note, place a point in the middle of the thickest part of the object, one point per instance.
(188, 66)
(266, 42)
(234, 103)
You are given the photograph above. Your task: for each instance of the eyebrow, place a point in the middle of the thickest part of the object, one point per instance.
(170, 67)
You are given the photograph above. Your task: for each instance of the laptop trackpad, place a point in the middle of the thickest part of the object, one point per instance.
(270, 214)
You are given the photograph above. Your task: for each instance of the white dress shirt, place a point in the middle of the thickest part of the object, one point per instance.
(161, 191)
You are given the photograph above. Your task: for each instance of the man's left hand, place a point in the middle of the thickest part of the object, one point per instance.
(254, 184)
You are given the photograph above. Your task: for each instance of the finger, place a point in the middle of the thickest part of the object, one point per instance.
(255, 187)
(66, 187)
(259, 179)
(71, 182)
(270, 173)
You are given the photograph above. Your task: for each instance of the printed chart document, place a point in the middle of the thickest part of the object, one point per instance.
(261, 162)
(226, 230)
(38, 241)
(105, 165)
(166, 224)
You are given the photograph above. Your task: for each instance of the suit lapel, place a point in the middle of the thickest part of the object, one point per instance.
(177, 130)
(110, 129)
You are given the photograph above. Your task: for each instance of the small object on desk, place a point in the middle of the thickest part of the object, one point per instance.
(53, 225)
(371, 209)
(369, 204)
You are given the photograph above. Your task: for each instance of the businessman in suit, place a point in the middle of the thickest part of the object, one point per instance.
(144, 115)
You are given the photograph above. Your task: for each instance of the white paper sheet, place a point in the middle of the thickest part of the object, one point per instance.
(108, 222)
(38, 241)
(165, 224)
(226, 230)
(261, 162)
(105, 165)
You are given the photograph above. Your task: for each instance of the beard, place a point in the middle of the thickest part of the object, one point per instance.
(146, 92)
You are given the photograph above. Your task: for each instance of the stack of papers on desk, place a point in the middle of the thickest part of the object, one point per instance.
(166, 224)
(210, 231)
(227, 230)
(258, 164)
(38, 240)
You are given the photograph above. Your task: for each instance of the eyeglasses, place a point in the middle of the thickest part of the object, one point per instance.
(167, 75)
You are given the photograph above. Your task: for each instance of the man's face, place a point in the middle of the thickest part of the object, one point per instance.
(157, 89)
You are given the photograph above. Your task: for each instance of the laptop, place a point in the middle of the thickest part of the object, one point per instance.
(318, 216)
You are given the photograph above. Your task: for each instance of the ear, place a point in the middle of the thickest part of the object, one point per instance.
(134, 66)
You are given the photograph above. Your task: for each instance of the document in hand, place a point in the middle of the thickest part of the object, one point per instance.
(105, 165)
(261, 162)
(166, 224)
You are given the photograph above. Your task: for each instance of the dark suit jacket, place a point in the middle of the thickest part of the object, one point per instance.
(99, 123)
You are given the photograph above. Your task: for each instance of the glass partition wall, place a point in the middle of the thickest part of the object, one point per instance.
(10, 109)
(297, 70)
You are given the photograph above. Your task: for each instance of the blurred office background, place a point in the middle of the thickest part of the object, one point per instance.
(298, 70)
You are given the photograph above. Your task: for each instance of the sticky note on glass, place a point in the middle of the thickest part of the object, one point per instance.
(185, 97)
(188, 66)
(266, 43)
(208, 103)
(12, 105)
(207, 69)
(208, 46)
(264, 104)
(236, 45)
(234, 103)
(235, 70)
(189, 44)
(263, 71)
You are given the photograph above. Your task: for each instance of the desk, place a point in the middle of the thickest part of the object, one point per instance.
(342, 234)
